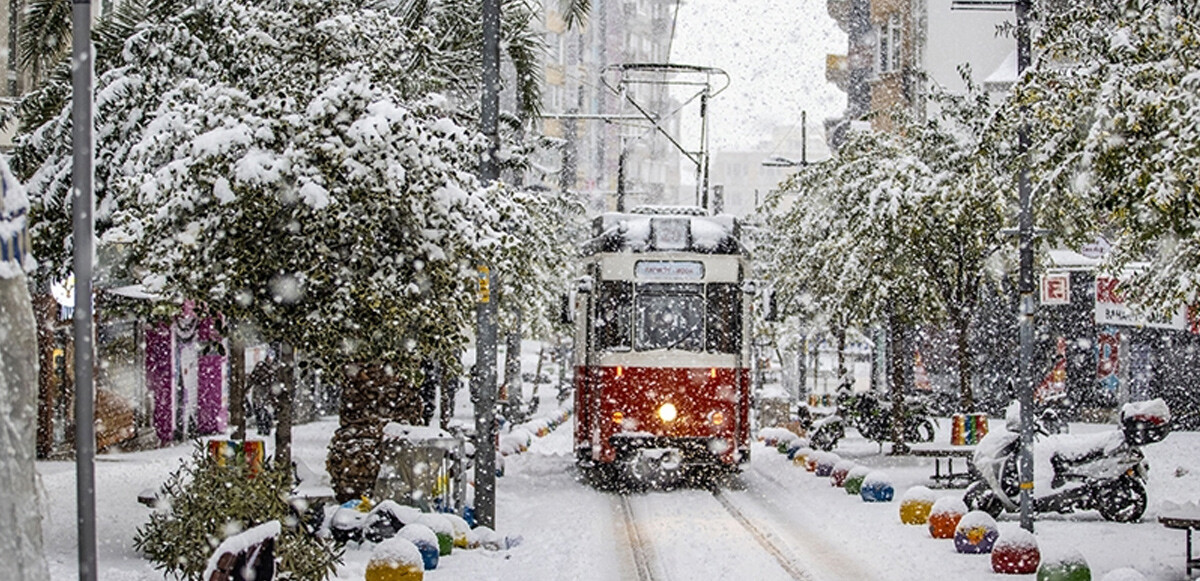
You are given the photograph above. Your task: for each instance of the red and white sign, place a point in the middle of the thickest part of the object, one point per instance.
(1056, 289)
(1112, 310)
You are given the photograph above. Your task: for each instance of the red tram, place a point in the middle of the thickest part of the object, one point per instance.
(662, 379)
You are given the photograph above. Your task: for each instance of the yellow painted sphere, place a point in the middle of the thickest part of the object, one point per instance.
(915, 511)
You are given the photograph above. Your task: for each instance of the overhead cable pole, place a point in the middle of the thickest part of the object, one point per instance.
(1025, 284)
(84, 235)
(484, 377)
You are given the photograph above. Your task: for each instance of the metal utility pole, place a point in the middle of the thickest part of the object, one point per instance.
(1025, 284)
(84, 225)
(485, 335)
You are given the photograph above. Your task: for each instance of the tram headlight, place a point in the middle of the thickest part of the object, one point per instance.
(667, 412)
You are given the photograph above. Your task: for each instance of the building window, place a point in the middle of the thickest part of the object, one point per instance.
(890, 35)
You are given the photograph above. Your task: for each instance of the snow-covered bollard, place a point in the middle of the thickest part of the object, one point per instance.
(1123, 574)
(877, 487)
(1016, 552)
(461, 530)
(854, 479)
(426, 542)
(825, 464)
(395, 559)
(976, 533)
(1064, 565)
(801, 456)
(944, 516)
(443, 528)
(842, 469)
(795, 447)
(916, 504)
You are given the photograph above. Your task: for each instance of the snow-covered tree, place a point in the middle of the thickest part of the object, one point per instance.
(306, 166)
(1116, 103)
(897, 228)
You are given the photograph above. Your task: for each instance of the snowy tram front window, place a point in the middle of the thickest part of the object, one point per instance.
(669, 316)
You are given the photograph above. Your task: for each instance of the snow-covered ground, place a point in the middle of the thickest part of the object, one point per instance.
(569, 530)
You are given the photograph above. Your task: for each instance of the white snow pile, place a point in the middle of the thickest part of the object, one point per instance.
(1154, 411)
(772, 436)
(418, 533)
(398, 552)
(920, 493)
(976, 519)
(1123, 574)
(706, 234)
(1015, 537)
(859, 471)
(1183, 510)
(415, 434)
(844, 466)
(437, 523)
(515, 442)
(241, 543)
(404, 514)
(1062, 556)
(876, 479)
(949, 505)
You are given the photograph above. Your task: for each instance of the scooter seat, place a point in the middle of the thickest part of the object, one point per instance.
(1063, 462)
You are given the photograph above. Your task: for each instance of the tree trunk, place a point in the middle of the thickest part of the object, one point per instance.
(512, 373)
(840, 335)
(370, 398)
(901, 356)
(284, 405)
(45, 311)
(965, 362)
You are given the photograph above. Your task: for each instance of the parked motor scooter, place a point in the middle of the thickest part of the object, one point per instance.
(1106, 472)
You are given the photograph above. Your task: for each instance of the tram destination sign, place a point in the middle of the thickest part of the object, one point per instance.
(669, 269)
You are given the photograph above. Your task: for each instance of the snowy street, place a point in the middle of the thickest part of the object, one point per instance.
(782, 522)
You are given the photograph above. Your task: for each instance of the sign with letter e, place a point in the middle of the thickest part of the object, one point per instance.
(1056, 289)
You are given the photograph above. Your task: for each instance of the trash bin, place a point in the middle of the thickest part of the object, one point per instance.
(417, 465)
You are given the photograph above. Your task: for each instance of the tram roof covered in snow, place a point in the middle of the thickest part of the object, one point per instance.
(665, 229)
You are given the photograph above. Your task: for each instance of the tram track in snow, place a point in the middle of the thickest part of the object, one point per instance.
(637, 544)
(649, 568)
(764, 539)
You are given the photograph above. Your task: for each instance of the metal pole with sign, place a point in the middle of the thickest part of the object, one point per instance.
(1025, 284)
(485, 313)
(83, 211)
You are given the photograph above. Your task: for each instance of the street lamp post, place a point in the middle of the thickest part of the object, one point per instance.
(1025, 235)
(484, 377)
(83, 224)
(1025, 284)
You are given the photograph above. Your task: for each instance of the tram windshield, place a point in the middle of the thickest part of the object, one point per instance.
(669, 317)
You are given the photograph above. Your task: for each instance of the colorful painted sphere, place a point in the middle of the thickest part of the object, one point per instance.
(1016, 553)
(975, 533)
(1069, 566)
(944, 516)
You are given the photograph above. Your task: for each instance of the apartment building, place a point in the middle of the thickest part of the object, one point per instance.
(590, 125)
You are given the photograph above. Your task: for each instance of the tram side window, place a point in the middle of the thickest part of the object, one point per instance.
(724, 318)
(613, 322)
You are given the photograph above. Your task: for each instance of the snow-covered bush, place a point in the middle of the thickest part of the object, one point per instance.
(201, 504)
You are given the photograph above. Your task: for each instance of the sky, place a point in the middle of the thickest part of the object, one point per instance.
(774, 52)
